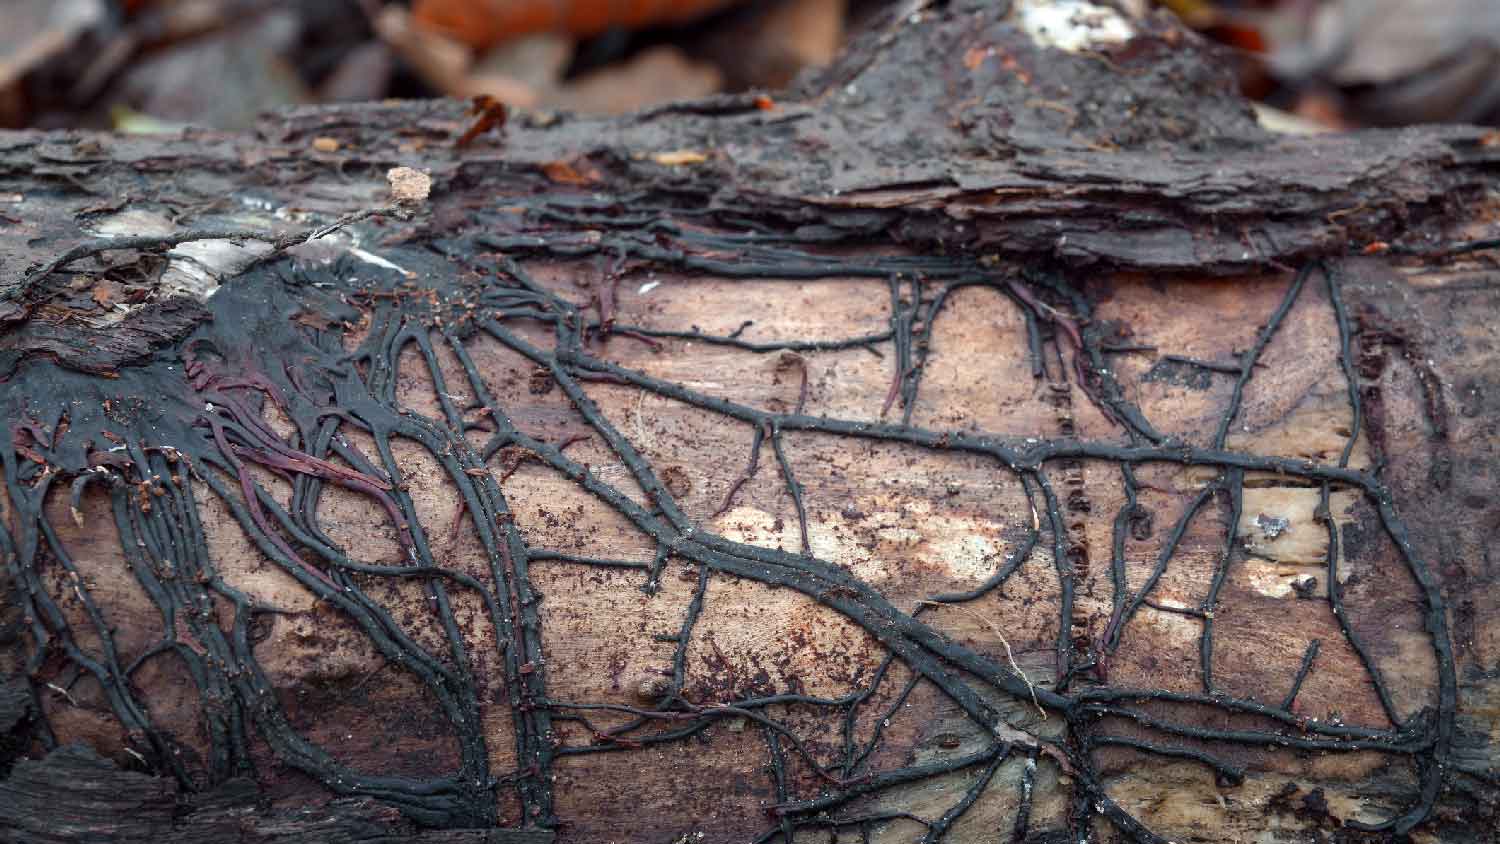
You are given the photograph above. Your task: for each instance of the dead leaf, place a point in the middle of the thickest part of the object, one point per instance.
(484, 23)
(564, 173)
(537, 62)
(110, 206)
(440, 61)
(40, 30)
(770, 43)
(313, 320)
(325, 144)
(489, 112)
(107, 292)
(679, 158)
(653, 76)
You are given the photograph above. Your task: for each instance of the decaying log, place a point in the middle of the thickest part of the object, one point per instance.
(998, 437)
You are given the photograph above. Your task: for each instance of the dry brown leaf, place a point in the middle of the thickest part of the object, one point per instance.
(489, 113)
(564, 173)
(325, 144)
(37, 31)
(106, 293)
(440, 61)
(313, 320)
(655, 75)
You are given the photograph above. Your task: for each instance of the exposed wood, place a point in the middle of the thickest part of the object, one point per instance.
(1063, 339)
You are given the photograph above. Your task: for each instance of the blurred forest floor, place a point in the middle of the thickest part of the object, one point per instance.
(157, 65)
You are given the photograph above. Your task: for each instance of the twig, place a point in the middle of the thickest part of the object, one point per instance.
(62, 691)
(1010, 657)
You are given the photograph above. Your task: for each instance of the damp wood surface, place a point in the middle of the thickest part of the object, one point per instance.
(1033, 449)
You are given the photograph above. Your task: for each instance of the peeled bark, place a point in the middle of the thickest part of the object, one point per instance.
(984, 439)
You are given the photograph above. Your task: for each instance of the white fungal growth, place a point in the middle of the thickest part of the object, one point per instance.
(372, 258)
(1072, 25)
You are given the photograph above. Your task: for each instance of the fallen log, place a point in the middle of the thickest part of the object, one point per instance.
(1001, 434)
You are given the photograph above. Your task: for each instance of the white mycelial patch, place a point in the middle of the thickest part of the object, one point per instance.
(964, 548)
(134, 222)
(198, 266)
(1287, 542)
(194, 268)
(372, 258)
(1072, 25)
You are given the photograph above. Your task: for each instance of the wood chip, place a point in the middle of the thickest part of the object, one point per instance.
(679, 158)
(408, 186)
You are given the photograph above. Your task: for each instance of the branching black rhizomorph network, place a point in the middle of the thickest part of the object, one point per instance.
(190, 423)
